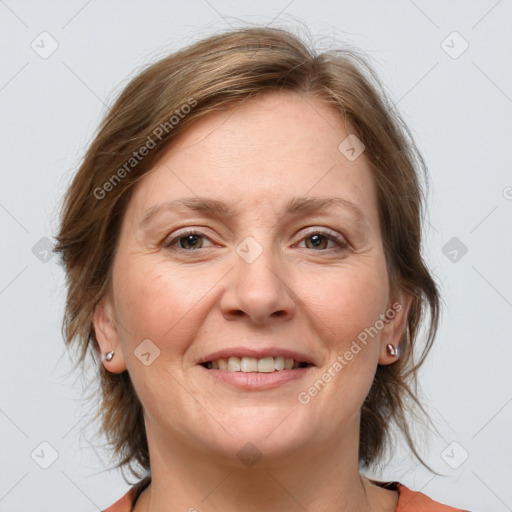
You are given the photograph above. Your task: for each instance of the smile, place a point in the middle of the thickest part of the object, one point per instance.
(253, 365)
(252, 374)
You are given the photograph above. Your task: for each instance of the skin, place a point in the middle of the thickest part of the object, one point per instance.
(296, 295)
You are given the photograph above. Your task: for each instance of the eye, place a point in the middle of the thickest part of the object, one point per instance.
(316, 239)
(190, 240)
(320, 238)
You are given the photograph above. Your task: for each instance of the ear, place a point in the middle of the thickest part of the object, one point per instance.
(395, 327)
(107, 334)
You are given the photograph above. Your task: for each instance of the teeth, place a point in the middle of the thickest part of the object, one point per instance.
(265, 365)
(279, 363)
(234, 364)
(251, 364)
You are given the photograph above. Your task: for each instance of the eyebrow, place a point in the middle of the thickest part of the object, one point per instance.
(216, 208)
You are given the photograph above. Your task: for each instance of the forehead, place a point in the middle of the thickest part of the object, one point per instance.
(260, 153)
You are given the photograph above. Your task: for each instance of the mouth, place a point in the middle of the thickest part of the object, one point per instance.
(256, 374)
(248, 364)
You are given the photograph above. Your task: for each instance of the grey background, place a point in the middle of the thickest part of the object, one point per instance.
(460, 112)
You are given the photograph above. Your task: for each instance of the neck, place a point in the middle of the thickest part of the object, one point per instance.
(318, 476)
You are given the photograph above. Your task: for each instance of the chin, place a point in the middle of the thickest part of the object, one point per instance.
(260, 435)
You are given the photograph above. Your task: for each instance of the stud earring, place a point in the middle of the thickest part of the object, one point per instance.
(392, 350)
(395, 351)
(109, 356)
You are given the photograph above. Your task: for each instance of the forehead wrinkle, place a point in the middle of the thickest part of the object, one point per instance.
(217, 208)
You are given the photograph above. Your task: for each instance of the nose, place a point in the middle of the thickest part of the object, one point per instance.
(258, 290)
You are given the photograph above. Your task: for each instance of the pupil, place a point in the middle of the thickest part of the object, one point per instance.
(317, 240)
(191, 239)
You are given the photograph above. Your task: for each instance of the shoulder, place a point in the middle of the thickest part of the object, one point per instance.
(408, 500)
(126, 502)
(415, 501)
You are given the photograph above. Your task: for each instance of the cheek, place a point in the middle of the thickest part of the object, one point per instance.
(343, 304)
(160, 304)
(347, 301)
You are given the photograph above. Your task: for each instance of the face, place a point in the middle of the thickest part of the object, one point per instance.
(271, 272)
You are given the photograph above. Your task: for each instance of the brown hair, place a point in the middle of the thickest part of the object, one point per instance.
(165, 99)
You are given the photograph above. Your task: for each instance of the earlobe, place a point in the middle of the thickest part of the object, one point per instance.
(107, 335)
(395, 331)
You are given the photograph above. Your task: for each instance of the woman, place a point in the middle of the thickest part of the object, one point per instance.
(243, 251)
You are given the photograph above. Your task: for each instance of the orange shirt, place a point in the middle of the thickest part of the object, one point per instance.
(408, 501)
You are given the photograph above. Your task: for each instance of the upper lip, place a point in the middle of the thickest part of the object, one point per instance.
(258, 353)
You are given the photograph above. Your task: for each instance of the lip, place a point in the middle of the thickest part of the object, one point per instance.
(253, 381)
(258, 353)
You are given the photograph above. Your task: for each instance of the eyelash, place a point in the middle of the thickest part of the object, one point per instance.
(331, 236)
